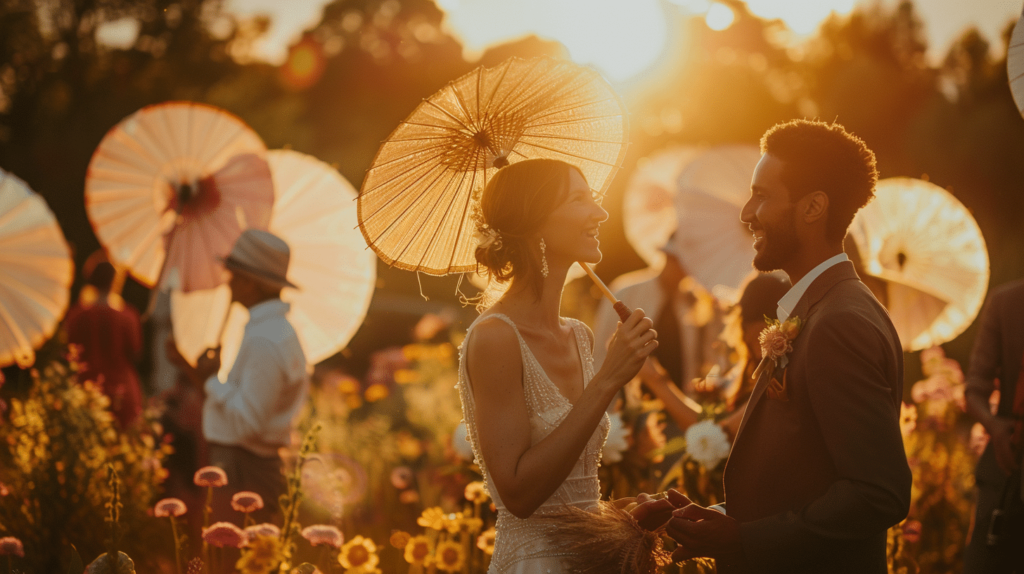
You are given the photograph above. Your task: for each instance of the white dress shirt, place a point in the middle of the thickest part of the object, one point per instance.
(265, 388)
(792, 297)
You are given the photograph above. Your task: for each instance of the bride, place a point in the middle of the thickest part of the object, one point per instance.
(533, 405)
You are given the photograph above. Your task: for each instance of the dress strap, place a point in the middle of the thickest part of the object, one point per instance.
(585, 349)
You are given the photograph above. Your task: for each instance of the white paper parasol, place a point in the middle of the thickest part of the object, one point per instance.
(1015, 64)
(927, 247)
(315, 213)
(715, 246)
(648, 206)
(172, 186)
(35, 272)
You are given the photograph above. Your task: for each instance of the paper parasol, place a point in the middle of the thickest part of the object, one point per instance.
(648, 207)
(715, 246)
(417, 198)
(171, 187)
(1015, 64)
(315, 214)
(35, 272)
(929, 250)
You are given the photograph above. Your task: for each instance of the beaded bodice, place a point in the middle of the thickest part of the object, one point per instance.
(519, 539)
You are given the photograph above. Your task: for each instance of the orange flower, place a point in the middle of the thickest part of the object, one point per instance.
(432, 518)
(485, 541)
(417, 550)
(376, 392)
(359, 553)
(449, 556)
(400, 539)
(476, 492)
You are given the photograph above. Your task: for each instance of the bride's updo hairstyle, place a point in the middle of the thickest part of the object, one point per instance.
(513, 207)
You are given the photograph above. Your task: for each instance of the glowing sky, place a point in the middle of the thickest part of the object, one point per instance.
(624, 37)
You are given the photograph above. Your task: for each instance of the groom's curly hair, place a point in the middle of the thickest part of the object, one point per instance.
(817, 156)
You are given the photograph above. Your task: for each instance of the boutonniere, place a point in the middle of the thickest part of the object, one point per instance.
(776, 345)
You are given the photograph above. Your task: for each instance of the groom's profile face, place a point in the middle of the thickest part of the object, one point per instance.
(769, 215)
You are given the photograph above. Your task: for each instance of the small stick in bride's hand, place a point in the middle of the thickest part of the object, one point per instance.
(620, 307)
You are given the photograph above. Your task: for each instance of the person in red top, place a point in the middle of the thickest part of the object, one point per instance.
(109, 336)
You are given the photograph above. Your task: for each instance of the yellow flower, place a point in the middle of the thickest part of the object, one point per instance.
(408, 446)
(400, 539)
(485, 541)
(359, 553)
(472, 524)
(449, 556)
(433, 518)
(406, 376)
(453, 522)
(476, 492)
(417, 550)
(376, 392)
(264, 553)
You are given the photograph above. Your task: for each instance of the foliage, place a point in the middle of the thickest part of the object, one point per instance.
(60, 440)
(943, 467)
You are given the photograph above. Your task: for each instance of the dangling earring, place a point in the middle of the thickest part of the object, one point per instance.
(543, 258)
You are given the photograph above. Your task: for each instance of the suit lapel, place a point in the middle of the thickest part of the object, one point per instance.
(839, 272)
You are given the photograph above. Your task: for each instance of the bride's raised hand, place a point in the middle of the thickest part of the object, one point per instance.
(633, 342)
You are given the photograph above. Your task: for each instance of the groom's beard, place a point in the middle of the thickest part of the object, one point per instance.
(780, 243)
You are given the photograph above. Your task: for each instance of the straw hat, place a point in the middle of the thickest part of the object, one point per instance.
(261, 255)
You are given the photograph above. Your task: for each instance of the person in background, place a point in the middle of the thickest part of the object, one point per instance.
(687, 320)
(108, 333)
(759, 300)
(996, 544)
(248, 416)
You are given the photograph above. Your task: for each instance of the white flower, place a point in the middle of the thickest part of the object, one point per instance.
(460, 442)
(618, 440)
(707, 443)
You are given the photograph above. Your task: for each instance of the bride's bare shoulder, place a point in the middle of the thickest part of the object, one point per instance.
(491, 336)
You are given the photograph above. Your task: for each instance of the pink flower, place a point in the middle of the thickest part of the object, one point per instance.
(774, 343)
(323, 534)
(223, 534)
(210, 476)
(11, 546)
(401, 477)
(265, 530)
(911, 531)
(246, 501)
(169, 507)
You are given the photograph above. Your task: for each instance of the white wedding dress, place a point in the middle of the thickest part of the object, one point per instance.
(524, 546)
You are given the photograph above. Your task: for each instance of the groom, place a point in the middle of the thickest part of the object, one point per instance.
(817, 472)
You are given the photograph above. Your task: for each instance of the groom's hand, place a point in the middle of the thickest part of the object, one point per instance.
(702, 532)
(652, 513)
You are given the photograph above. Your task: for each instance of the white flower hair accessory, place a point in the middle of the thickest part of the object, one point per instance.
(486, 236)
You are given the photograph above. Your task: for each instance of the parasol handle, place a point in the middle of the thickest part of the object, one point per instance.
(620, 307)
(223, 327)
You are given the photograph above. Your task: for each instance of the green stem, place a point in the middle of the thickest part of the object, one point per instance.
(206, 524)
(323, 558)
(177, 544)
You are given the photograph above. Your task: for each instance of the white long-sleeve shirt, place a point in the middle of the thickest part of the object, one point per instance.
(265, 388)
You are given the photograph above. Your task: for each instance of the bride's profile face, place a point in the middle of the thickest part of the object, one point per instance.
(570, 232)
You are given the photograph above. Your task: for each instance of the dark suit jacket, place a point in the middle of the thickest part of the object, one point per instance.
(817, 479)
(997, 354)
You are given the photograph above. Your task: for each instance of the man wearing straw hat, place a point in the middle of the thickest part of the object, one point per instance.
(248, 417)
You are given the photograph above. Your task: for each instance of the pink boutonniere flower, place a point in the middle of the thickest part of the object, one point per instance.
(776, 344)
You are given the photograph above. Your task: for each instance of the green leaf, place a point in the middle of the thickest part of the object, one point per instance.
(304, 568)
(76, 566)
